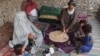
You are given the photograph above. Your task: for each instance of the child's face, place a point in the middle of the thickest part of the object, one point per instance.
(82, 24)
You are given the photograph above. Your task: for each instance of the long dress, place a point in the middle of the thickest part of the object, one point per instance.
(22, 28)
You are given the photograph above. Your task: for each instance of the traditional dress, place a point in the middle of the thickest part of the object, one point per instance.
(69, 21)
(22, 28)
(88, 44)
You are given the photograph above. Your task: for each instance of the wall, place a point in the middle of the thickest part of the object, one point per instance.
(8, 8)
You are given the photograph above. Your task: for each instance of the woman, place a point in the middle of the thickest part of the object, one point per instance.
(22, 28)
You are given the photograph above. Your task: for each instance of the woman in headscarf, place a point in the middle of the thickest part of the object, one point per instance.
(22, 28)
(30, 7)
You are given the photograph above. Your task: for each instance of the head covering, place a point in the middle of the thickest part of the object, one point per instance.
(30, 6)
(58, 36)
(71, 2)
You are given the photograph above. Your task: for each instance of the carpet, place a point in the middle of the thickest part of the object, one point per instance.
(6, 32)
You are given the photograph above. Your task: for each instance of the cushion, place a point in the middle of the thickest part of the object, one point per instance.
(50, 11)
(48, 17)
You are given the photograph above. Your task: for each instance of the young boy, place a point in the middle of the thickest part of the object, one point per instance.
(80, 33)
(18, 49)
(86, 40)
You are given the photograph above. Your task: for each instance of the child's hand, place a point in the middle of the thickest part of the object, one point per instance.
(23, 49)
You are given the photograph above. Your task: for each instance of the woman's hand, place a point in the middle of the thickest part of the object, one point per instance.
(32, 36)
(64, 30)
(67, 30)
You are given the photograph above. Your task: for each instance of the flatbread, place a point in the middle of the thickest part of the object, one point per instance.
(58, 36)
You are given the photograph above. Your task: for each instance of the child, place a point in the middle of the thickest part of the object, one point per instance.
(18, 49)
(80, 33)
(86, 41)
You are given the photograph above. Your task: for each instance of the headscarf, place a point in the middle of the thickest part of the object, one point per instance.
(30, 6)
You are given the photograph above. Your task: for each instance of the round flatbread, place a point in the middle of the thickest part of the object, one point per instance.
(58, 36)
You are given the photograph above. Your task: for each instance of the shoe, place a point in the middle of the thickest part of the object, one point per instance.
(11, 44)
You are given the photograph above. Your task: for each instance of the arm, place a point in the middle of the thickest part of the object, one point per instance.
(62, 20)
(73, 21)
(25, 43)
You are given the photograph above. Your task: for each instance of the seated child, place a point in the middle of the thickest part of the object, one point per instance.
(86, 41)
(80, 33)
(18, 49)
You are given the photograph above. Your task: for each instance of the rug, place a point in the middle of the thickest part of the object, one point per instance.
(6, 32)
(41, 25)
